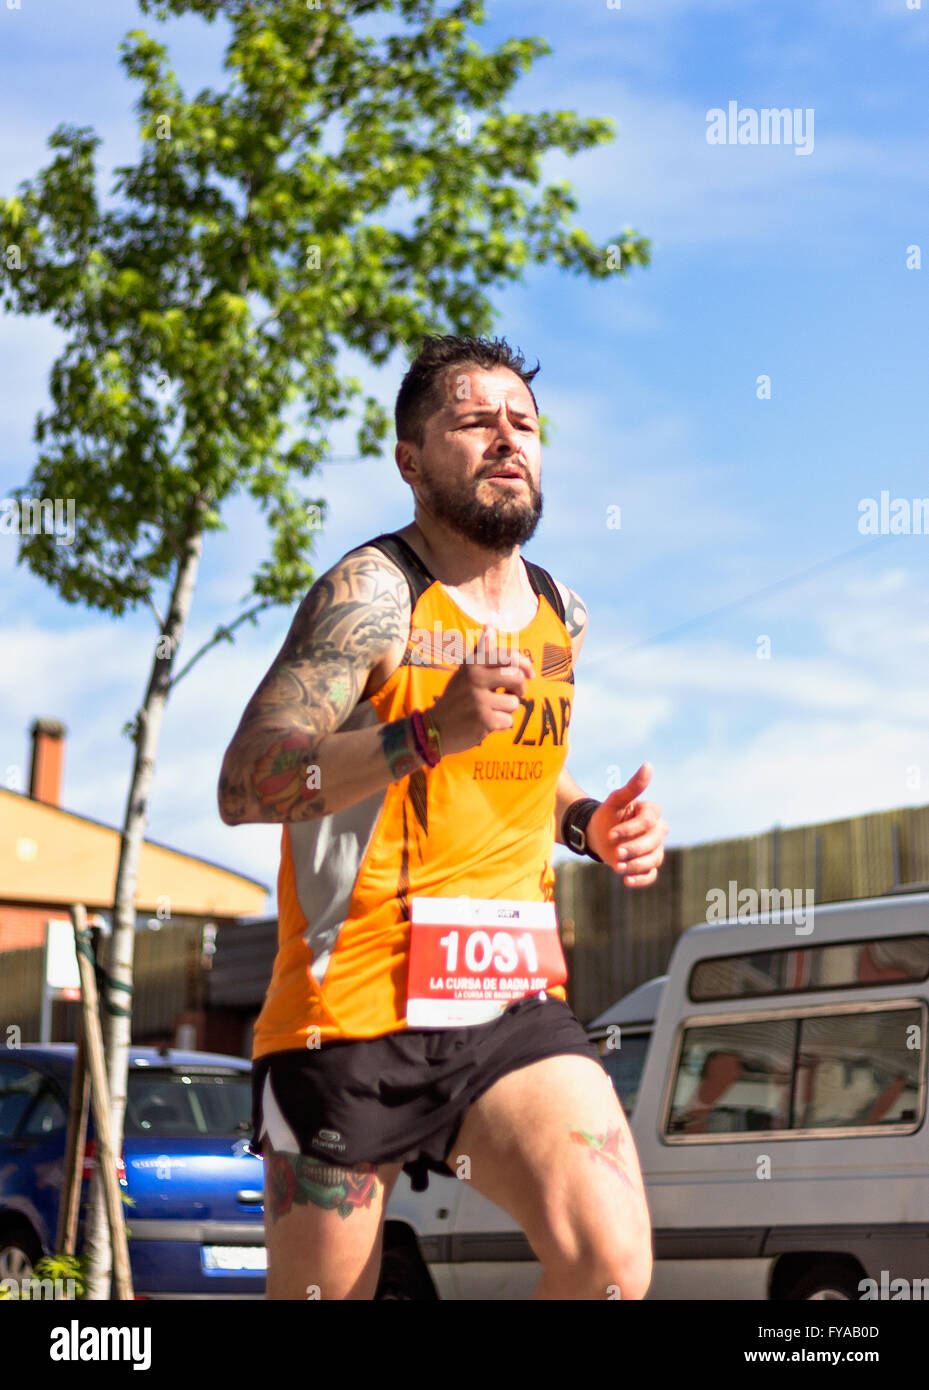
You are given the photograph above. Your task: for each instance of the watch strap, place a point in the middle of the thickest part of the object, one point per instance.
(576, 819)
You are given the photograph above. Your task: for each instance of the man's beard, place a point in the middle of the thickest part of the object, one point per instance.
(498, 525)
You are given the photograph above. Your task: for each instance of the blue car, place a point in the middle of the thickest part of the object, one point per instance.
(196, 1224)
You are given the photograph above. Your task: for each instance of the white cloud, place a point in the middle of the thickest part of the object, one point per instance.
(739, 743)
(660, 175)
(722, 671)
(795, 774)
(670, 501)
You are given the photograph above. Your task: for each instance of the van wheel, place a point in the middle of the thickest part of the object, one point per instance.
(403, 1274)
(20, 1252)
(826, 1283)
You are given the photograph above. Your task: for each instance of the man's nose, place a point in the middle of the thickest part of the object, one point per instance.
(506, 435)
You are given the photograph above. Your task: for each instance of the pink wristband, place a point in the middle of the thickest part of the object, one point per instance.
(420, 739)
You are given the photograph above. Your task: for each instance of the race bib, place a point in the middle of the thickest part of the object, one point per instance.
(471, 957)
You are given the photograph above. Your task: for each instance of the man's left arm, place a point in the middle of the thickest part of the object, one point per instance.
(628, 834)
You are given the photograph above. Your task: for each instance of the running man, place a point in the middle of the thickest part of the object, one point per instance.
(411, 738)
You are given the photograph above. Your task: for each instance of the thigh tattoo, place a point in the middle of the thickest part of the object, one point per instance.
(613, 1147)
(296, 1178)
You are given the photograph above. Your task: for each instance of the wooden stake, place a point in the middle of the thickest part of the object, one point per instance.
(100, 1099)
(74, 1152)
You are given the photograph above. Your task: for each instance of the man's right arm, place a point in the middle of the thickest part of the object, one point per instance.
(286, 762)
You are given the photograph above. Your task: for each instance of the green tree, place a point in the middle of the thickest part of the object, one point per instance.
(343, 191)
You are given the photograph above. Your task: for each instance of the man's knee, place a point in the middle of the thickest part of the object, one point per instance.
(602, 1262)
(625, 1276)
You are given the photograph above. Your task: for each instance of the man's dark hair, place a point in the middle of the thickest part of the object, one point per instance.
(420, 393)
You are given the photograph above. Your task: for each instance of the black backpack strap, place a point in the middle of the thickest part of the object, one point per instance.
(544, 585)
(419, 578)
(405, 558)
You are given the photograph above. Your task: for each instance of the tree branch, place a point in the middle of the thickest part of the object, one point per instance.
(221, 634)
(158, 618)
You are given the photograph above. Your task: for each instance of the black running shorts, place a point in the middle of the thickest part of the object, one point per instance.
(400, 1097)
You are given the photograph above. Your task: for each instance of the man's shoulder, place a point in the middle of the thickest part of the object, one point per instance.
(575, 611)
(357, 590)
(367, 561)
(377, 550)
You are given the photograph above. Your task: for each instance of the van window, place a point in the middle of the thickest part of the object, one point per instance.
(624, 1065)
(840, 965)
(858, 1069)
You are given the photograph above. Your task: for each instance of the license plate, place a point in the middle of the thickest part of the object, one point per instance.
(235, 1257)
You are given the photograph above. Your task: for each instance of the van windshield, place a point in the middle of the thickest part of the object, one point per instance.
(624, 1064)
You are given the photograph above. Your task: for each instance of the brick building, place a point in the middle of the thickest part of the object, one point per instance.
(51, 858)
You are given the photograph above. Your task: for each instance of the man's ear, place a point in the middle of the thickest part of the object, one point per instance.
(407, 458)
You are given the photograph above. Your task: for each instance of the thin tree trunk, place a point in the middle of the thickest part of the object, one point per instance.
(116, 996)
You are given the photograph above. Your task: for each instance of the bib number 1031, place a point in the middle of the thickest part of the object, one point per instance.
(470, 958)
(482, 949)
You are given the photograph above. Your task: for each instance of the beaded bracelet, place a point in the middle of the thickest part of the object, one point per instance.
(432, 733)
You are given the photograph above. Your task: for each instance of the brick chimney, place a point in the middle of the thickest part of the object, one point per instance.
(48, 752)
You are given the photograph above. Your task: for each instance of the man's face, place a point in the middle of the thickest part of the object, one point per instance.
(479, 465)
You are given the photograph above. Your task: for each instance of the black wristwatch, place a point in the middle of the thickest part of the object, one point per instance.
(574, 826)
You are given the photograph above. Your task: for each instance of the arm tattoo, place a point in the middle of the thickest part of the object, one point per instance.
(575, 617)
(399, 748)
(291, 1178)
(612, 1147)
(349, 622)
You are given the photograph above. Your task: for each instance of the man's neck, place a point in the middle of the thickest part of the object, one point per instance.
(491, 584)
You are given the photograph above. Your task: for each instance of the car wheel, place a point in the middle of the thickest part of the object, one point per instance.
(828, 1282)
(403, 1275)
(20, 1252)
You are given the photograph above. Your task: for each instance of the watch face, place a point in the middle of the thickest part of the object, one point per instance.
(578, 839)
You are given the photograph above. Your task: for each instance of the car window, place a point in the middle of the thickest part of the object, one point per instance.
(184, 1105)
(47, 1116)
(624, 1061)
(19, 1086)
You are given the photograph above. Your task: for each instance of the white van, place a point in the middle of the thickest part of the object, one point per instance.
(779, 1114)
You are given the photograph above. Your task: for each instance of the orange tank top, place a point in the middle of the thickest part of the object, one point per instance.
(480, 824)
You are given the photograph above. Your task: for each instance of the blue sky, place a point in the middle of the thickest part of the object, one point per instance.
(765, 262)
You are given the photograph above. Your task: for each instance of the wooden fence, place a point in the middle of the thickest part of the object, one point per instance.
(166, 969)
(617, 938)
